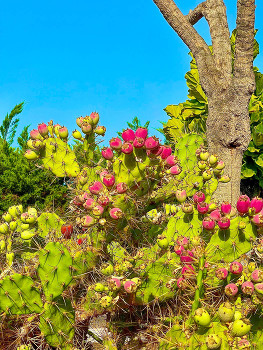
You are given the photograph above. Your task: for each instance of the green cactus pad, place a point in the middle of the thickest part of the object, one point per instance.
(57, 323)
(49, 222)
(117, 252)
(18, 296)
(84, 261)
(55, 269)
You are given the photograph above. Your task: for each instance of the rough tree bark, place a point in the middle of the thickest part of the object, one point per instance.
(228, 88)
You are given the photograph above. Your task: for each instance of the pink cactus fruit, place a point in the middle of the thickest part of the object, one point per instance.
(109, 180)
(121, 187)
(202, 207)
(128, 135)
(115, 283)
(88, 221)
(116, 143)
(103, 173)
(42, 129)
(259, 289)
(236, 268)
(77, 201)
(231, 289)
(127, 148)
(247, 288)
(208, 224)
(141, 132)
(180, 283)
(98, 210)
(94, 117)
(107, 153)
(187, 256)
(63, 132)
(35, 134)
(256, 205)
(188, 270)
(83, 197)
(151, 143)
(257, 276)
(243, 204)
(182, 241)
(154, 152)
(178, 249)
(181, 195)
(116, 213)
(215, 214)
(166, 152)
(221, 273)
(171, 160)
(138, 142)
(199, 197)
(258, 219)
(89, 203)
(223, 223)
(130, 286)
(103, 200)
(86, 128)
(96, 187)
(226, 208)
(175, 170)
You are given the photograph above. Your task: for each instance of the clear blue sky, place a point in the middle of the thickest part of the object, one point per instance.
(120, 58)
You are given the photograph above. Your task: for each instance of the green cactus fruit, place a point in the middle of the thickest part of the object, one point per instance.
(7, 217)
(226, 312)
(259, 289)
(14, 211)
(202, 317)
(4, 228)
(99, 287)
(2, 245)
(106, 301)
(238, 315)
(10, 258)
(240, 327)
(28, 234)
(213, 341)
(13, 225)
(107, 270)
(162, 242)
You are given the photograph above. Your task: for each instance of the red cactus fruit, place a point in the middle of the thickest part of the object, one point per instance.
(80, 241)
(151, 143)
(247, 288)
(180, 283)
(199, 197)
(107, 153)
(178, 249)
(215, 214)
(152, 153)
(221, 273)
(257, 276)
(180, 195)
(89, 203)
(208, 224)
(127, 148)
(116, 213)
(166, 152)
(116, 143)
(259, 289)
(202, 207)
(103, 173)
(171, 160)
(186, 256)
(256, 205)
(121, 187)
(43, 129)
(236, 268)
(182, 241)
(109, 180)
(141, 132)
(223, 223)
(138, 142)
(188, 270)
(96, 187)
(128, 135)
(66, 230)
(175, 170)
(231, 289)
(243, 204)
(103, 200)
(226, 208)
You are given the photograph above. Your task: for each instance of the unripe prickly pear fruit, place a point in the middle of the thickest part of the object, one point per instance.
(107, 153)
(13, 211)
(240, 327)
(42, 129)
(7, 217)
(99, 287)
(109, 180)
(87, 221)
(213, 159)
(236, 268)
(106, 301)
(130, 286)
(96, 187)
(141, 132)
(187, 208)
(257, 276)
(31, 155)
(128, 135)
(247, 288)
(162, 242)
(226, 312)
(94, 117)
(221, 273)
(10, 258)
(243, 204)
(213, 341)
(98, 210)
(107, 269)
(79, 121)
(151, 143)
(202, 317)
(28, 234)
(86, 128)
(231, 289)
(2, 245)
(208, 224)
(35, 135)
(202, 207)
(116, 143)
(63, 132)
(4, 228)
(223, 223)
(127, 148)
(226, 208)
(77, 134)
(259, 289)
(207, 174)
(115, 283)
(116, 213)
(100, 130)
(242, 225)
(13, 225)
(204, 155)
(121, 187)
(24, 226)
(181, 195)
(199, 197)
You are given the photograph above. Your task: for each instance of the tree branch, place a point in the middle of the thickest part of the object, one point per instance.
(199, 12)
(243, 65)
(192, 39)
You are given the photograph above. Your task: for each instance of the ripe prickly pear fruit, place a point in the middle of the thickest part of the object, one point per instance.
(130, 286)
(63, 133)
(103, 200)
(223, 223)
(35, 135)
(151, 143)
(213, 341)
(99, 287)
(207, 174)
(236, 268)
(258, 220)
(106, 301)
(115, 283)
(240, 327)
(100, 130)
(77, 134)
(109, 180)
(171, 160)
(256, 205)
(107, 269)
(66, 230)
(231, 290)
(181, 283)
(199, 197)
(121, 187)
(162, 242)
(42, 129)
(87, 221)
(116, 143)
(257, 276)
(96, 187)
(187, 208)
(243, 204)
(13, 225)
(203, 155)
(202, 317)
(208, 224)
(188, 270)
(213, 159)
(7, 217)
(259, 289)
(31, 155)
(247, 288)
(215, 214)
(89, 203)
(226, 312)
(94, 117)
(128, 135)
(107, 153)
(166, 152)
(116, 213)
(138, 142)
(186, 256)
(226, 208)
(183, 241)
(178, 249)
(127, 148)
(202, 207)
(4, 228)
(221, 273)
(141, 132)
(153, 153)
(181, 195)
(175, 170)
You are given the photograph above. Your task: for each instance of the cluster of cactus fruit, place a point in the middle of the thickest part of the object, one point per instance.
(142, 242)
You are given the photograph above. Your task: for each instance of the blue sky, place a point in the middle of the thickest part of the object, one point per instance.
(68, 58)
